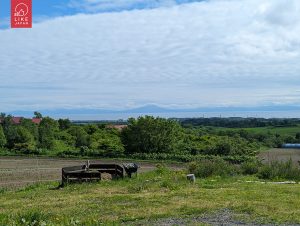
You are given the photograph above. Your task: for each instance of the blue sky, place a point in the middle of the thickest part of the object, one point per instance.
(128, 53)
(55, 8)
(41, 10)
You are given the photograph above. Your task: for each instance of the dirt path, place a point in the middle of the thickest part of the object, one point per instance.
(224, 217)
(20, 171)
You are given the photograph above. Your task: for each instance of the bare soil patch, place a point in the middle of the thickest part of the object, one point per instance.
(20, 171)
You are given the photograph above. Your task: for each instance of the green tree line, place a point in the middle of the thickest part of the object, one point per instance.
(144, 137)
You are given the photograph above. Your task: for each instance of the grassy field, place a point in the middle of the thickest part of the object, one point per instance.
(151, 197)
(280, 154)
(279, 130)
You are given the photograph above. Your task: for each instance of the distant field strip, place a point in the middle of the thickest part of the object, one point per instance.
(281, 154)
(20, 172)
(280, 130)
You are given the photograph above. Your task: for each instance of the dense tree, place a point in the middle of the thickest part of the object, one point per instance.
(66, 138)
(37, 114)
(107, 143)
(147, 137)
(31, 127)
(91, 129)
(80, 135)
(297, 136)
(64, 124)
(236, 122)
(48, 129)
(6, 123)
(151, 135)
(20, 139)
(2, 138)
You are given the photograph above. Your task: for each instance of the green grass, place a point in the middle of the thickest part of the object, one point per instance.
(280, 130)
(273, 129)
(151, 196)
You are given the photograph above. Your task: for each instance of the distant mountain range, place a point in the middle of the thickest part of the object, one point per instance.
(154, 109)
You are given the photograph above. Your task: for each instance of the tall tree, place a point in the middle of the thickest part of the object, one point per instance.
(2, 115)
(107, 142)
(64, 124)
(151, 135)
(48, 128)
(31, 127)
(2, 138)
(81, 136)
(19, 138)
(6, 123)
(37, 114)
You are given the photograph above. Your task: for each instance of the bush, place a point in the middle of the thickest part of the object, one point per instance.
(215, 167)
(250, 167)
(68, 153)
(188, 157)
(280, 170)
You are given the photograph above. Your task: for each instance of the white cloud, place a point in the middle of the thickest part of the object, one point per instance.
(199, 54)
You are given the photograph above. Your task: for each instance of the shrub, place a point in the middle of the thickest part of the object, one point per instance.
(161, 169)
(250, 167)
(280, 170)
(68, 153)
(188, 157)
(215, 167)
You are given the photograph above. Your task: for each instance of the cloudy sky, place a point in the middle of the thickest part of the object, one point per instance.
(119, 54)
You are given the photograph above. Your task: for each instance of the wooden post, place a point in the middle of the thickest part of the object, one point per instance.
(191, 178)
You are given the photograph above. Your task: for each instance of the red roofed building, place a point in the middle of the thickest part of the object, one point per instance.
(118, 127)
(36, 120)
(17, 120)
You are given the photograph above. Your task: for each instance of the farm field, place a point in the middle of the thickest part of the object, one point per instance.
(159, 197)
(273, 129)
(280, 130)
(281, 154)
(17, 172)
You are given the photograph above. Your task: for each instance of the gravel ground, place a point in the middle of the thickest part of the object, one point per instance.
(222, 218)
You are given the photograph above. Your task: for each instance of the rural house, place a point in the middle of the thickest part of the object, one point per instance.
(17, 120)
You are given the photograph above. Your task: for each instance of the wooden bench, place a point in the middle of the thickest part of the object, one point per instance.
(90, 172)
